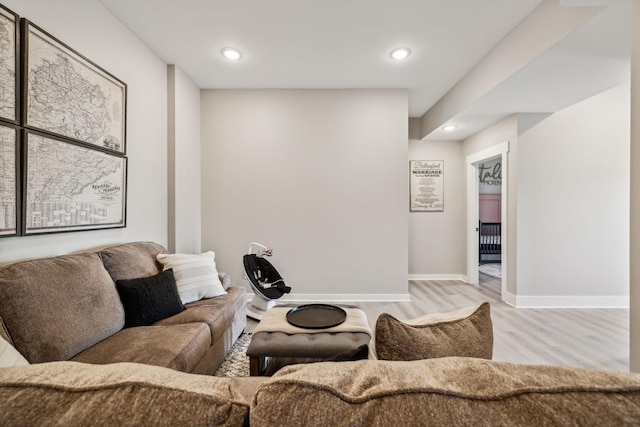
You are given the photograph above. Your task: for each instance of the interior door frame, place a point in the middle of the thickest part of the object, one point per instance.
(473, 214)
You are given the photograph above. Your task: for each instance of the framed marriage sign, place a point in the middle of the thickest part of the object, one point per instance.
(68, 95)
(426, 185)
(70, 187)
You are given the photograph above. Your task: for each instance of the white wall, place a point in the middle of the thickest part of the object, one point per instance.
(497, 133)
(319, 175)
(184, 163)
(89, 28)
(543, 28)
(573, 203)
(437, 240)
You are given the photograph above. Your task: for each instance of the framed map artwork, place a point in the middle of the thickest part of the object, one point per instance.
(66, 94)
(8, 65)
(71, 187)
(9, 172)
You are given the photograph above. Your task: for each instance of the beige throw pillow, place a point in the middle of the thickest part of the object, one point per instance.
(196, 275)
(465, 333)
(9, 356)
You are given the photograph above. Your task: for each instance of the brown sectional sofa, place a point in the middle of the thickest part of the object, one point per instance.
(63, 312)
(68, 308)
(434, 392)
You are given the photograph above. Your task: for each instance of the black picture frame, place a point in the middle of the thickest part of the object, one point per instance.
(10, 172)
(90, 109)
(69, 186)
(9, 66)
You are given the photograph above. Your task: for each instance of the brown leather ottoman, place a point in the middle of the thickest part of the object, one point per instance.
(275, 343)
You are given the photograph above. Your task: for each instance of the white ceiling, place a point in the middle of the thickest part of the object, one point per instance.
(594, 58)
(346, 43)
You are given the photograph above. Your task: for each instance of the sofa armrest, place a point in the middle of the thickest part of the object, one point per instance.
(122, 394)
(225, 278)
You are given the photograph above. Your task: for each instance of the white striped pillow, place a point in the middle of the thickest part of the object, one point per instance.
(9, 356)
(196, 275)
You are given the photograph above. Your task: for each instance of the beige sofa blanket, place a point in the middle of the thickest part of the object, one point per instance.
(275, 320)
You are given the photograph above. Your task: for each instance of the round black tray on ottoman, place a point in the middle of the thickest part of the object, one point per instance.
(316, 316)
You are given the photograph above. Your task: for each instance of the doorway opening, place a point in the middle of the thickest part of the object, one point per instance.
(490, 220)
(494, 237)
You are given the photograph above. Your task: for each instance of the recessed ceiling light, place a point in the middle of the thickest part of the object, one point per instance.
(449, 128)
(400, 53)
(231, 54)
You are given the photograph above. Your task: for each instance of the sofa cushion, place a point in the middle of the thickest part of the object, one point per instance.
(466, 333)
(9, 356)
(196, 275)
(445, 392)
(149, 299)
(178, 347)
(132, 260)
(123, 394)
(56, 307)
(218, 313)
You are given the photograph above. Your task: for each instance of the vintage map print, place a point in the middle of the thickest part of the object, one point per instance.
(70, 187)
(69, 95)
(8, 208)
(7, 65)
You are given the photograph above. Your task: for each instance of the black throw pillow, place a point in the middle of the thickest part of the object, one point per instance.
(149, 299)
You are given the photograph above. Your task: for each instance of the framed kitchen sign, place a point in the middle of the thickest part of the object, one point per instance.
(9, 65)
(71, 187)
(9, 182)
(66, 94)
(426, 185)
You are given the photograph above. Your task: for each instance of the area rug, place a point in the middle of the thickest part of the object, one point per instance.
(236, 362)
(493, 270)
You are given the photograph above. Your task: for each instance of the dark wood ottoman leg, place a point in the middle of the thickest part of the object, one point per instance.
(256, 366)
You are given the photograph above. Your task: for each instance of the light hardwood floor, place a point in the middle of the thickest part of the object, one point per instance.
(587, 337)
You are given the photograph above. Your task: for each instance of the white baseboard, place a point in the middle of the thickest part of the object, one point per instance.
(323, 298)
(459, 277)
(517, 301)
(509, 299)
(573, 301)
